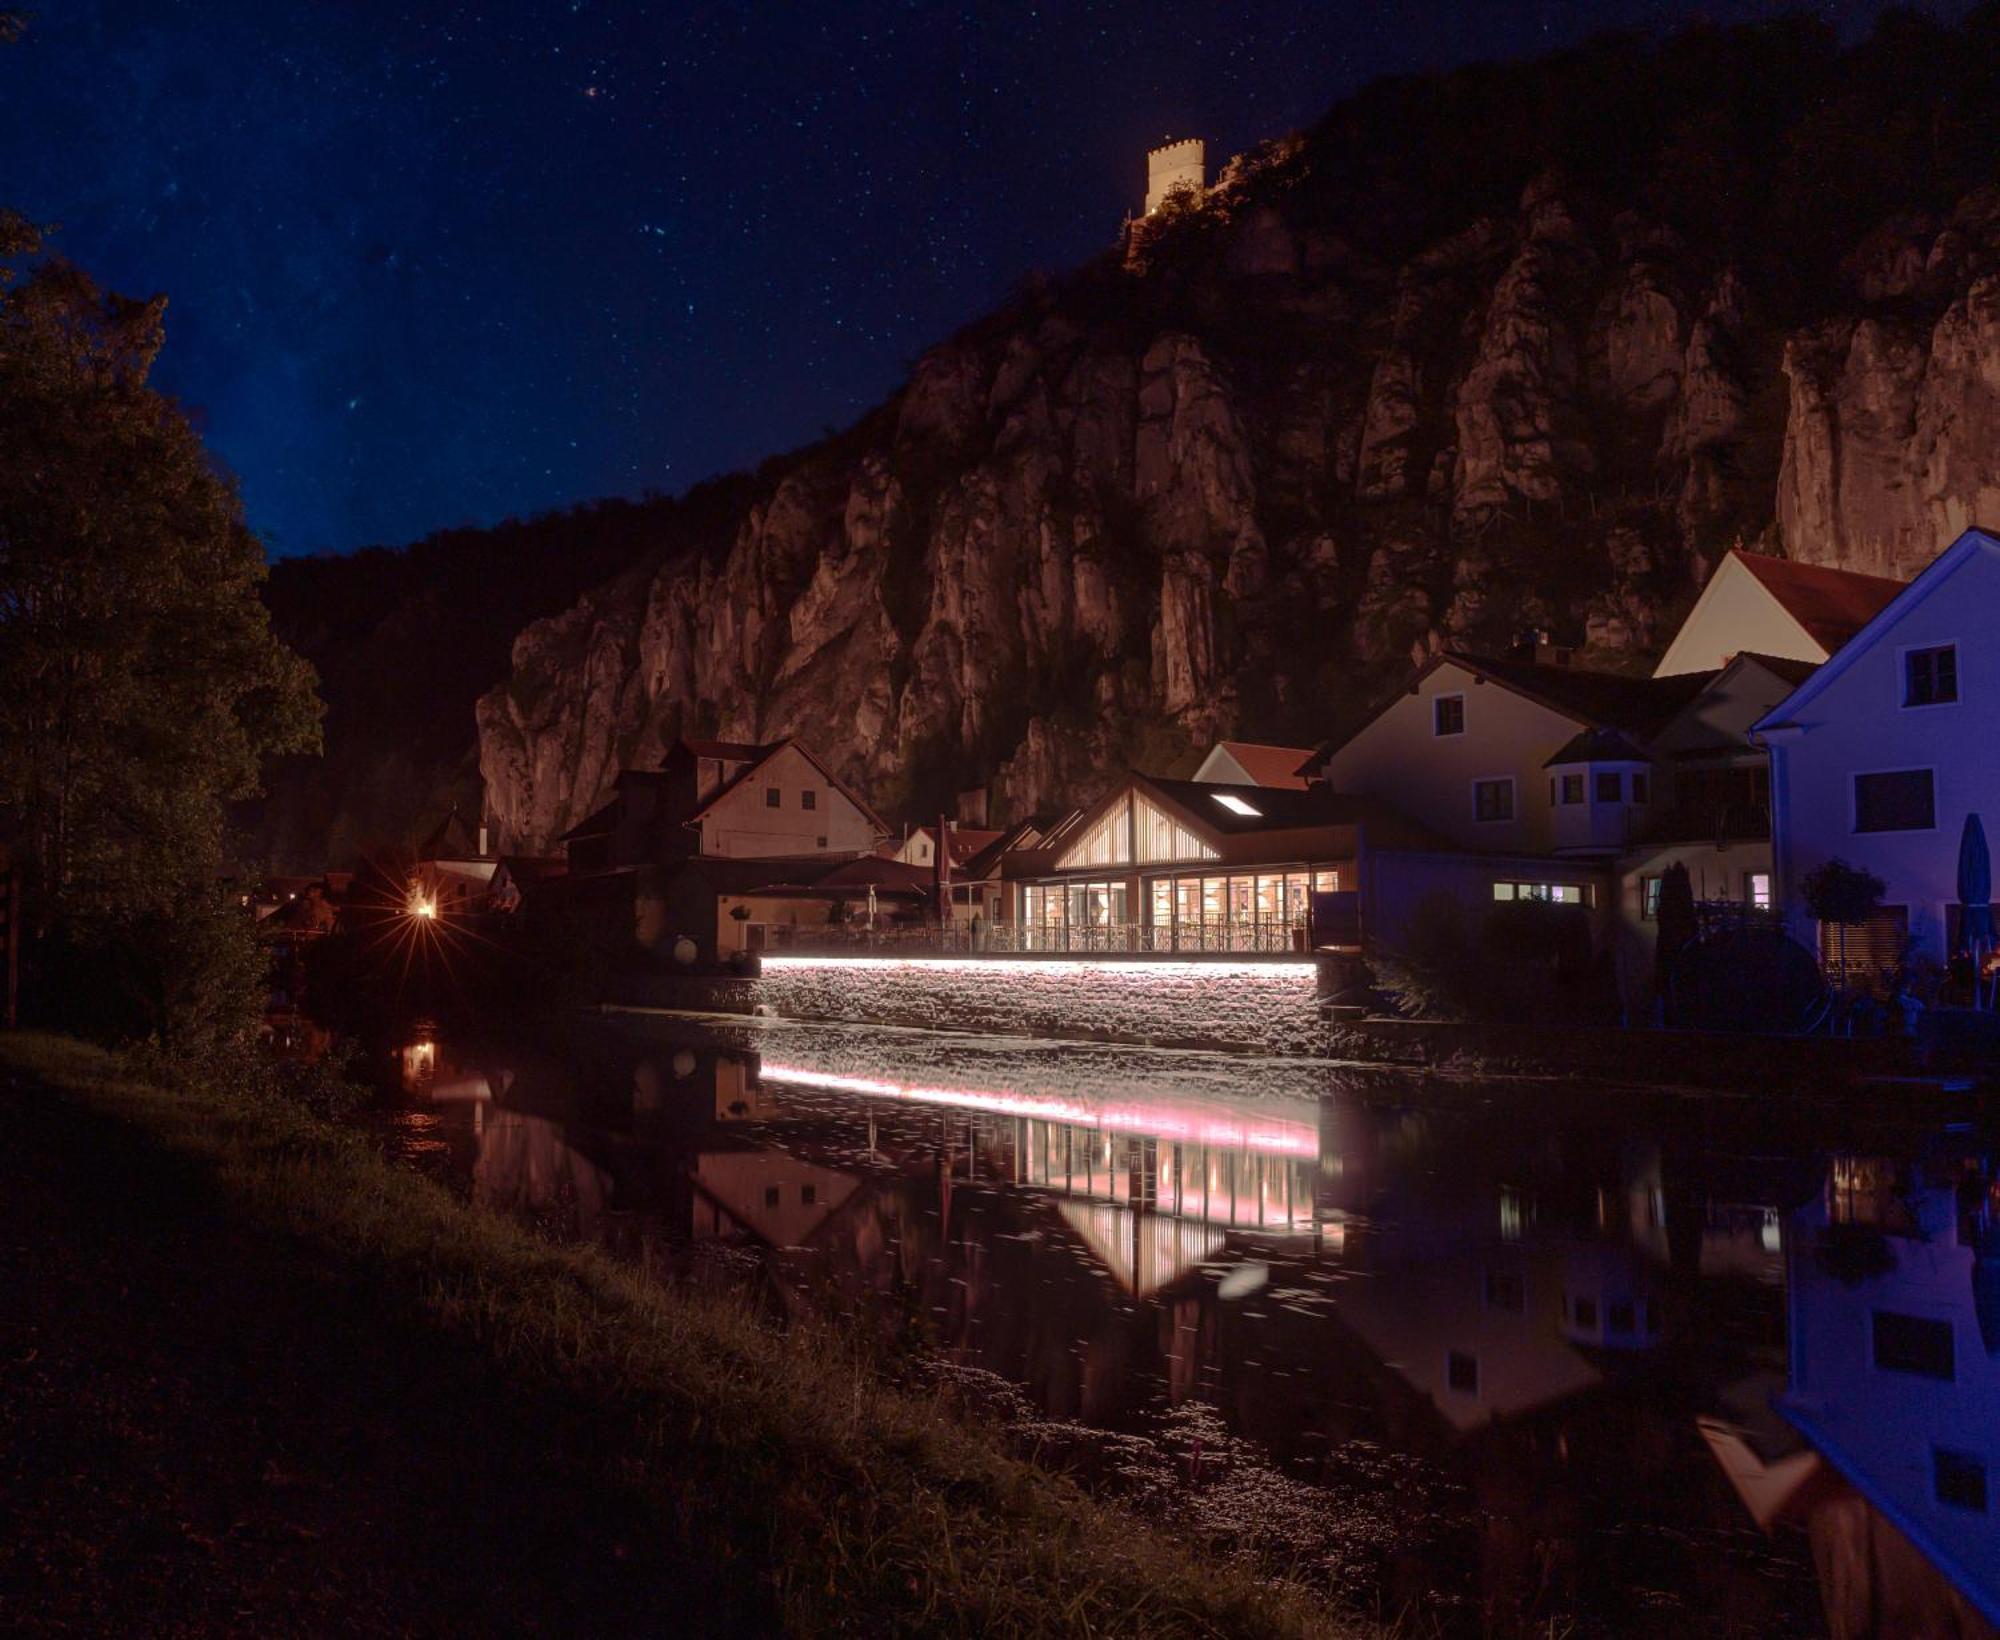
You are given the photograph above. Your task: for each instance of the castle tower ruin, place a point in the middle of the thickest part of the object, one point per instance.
(1173, 166)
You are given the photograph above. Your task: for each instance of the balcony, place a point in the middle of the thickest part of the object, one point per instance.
(1740, 821)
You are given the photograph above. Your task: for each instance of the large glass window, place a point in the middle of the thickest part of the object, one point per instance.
(1161, 837)
(1107, 843)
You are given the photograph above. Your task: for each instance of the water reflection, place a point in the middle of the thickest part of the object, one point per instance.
(1539, 1356)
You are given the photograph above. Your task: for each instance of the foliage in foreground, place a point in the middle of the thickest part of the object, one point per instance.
(858, 1509)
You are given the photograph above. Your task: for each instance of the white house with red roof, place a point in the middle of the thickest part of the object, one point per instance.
(1755, 604)
(1253, 763)
(1878, 757)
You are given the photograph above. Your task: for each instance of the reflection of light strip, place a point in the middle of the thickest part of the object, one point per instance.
(1151, 1120)
(1291, 972)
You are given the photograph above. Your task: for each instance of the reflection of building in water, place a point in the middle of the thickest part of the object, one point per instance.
(772, 1194)
(1895, 1383)
(1143, 1251)
(1233, 1185)
(526, 1164)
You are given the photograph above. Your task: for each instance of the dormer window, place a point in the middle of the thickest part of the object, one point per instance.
(1448, 715)
(1930, 676)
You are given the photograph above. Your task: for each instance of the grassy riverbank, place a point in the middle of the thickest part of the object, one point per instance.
(273, 1382)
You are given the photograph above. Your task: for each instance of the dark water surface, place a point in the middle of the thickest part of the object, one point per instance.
(1531, 1357)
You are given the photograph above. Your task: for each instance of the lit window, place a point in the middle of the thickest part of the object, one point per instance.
(1493, 800)
(1236, 805)
(808, 800)
(1448, 715)
(1503, 891)
(1609, 788)
(1930, 676)
(1897, 800)
(1649, 897)
(773, 798)
(1757, 889)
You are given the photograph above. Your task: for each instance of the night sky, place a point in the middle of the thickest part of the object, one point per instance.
(432, 265)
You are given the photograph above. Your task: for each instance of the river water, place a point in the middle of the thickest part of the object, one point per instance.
(1524, 1357)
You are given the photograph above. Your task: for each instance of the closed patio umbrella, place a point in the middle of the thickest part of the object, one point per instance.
(1975, 897)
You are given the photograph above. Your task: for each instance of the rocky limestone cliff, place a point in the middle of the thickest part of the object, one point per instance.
(1237, 476)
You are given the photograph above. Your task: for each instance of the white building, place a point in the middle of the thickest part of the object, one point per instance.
(1878, 757)
(1755, 604)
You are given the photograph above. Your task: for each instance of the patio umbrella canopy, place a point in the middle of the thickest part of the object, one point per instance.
(1975, 886)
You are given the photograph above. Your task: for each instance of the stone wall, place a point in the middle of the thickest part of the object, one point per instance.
(1268, 1006)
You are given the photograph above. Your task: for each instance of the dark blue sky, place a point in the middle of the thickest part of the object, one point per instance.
(440, 264)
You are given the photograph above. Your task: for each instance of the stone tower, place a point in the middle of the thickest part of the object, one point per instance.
(1174, 165)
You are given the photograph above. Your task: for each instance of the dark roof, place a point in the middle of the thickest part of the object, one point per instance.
(1794, 672)
(1641, 707)
(987, 861)
(451, 839)
(1831, 604)
(851, 877)
(592, 825)
(729, 751)
(1597, 746)
(1283, 809)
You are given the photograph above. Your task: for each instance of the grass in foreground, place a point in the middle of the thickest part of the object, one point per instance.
(770, 1481)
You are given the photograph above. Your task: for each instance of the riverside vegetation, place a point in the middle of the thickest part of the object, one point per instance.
(651, 1450)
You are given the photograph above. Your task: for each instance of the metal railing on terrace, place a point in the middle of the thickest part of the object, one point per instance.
(1103, 939)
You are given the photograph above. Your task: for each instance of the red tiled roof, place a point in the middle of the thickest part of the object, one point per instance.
(1831, 604)
(1276, 766)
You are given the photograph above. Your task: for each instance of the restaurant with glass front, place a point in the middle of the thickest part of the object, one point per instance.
(1186, 866)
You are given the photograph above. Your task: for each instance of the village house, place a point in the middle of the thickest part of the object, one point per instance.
(1183, 865)
(1553, 782)
(1881, 753)
(1250, 763)
(1755, 604)
(726, 842)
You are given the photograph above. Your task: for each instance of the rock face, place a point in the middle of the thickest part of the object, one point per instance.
(1232, 479)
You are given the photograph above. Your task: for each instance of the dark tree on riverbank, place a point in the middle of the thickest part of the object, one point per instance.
(140, 686)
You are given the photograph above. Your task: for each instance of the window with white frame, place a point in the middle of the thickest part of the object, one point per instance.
(1930, 675)
(1448, 715)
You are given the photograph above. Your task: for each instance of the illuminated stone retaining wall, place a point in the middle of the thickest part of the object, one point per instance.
(1269, 1006)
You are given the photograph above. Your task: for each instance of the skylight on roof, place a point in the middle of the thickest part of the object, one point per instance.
(1236, 805)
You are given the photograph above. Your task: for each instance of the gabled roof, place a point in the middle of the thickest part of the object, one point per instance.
(1941, 569)
(451, 839)
(1021, 834)
(729, 751)
(748, 772)
(1596, 746)
(1831, 604)
(1268, 765)
(1640, 707)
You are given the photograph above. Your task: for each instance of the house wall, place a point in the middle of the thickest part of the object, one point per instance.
(1395, 882)
(1735, 613)
(744, 826)
(1429, 777)
(1878, 1425)
(1857, 723)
